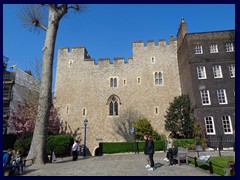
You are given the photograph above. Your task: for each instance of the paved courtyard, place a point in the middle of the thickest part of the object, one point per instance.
(114, 165)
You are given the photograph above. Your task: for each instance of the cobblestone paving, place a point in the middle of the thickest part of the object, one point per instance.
(114, 165)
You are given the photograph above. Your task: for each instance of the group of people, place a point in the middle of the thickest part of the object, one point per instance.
(149, 151)
(13, 162)
(171, 150)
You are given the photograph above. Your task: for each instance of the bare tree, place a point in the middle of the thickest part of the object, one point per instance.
(32, 17)
(124, 123)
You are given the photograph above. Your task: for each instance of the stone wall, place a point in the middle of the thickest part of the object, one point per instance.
(84, 85)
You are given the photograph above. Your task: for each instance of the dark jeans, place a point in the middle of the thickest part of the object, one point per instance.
(75, 155)
(151, 160)
(170, 156)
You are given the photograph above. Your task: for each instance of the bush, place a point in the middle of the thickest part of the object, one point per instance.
(185, 143)
(61, 144)
(123, 147)
(23, 145)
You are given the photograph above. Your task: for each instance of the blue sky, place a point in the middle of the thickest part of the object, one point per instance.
(109, 30)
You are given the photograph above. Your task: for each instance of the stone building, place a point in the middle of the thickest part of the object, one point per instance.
(207, 73)
(100, 91)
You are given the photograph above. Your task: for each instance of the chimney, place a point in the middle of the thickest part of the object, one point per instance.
(182, 31)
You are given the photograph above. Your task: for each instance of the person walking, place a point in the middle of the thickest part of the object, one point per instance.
(169, 147)
(75, 150)
(151, 152)
(146, 151)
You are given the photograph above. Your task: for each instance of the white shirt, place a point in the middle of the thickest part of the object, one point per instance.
(169, 143)
(75, 147)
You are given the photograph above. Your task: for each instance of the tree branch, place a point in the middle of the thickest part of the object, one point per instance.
(42, 26)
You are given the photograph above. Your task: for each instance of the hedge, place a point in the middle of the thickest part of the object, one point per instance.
(61, 144)
(123, 147)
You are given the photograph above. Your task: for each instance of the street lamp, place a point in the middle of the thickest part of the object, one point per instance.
(85, 122)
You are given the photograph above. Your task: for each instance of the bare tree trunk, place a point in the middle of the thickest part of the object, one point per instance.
(39, 141)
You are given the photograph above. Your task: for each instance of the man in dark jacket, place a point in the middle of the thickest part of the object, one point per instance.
(151, 152)
(146, 150)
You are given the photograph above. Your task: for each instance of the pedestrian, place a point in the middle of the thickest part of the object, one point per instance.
(7, 162)
(146, 150)
(18, 161)
(75, 150)
(151, 152)
(169, 146)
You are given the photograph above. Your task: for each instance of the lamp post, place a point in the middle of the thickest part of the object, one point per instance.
(85, 122)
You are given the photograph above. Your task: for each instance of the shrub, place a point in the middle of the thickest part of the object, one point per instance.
(23, 145)
(61, 144)
(122, 147)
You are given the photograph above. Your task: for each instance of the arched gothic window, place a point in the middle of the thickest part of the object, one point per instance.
(113, 103)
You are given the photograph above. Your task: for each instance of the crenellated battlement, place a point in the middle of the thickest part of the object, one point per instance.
(160, 42)
(80, 52)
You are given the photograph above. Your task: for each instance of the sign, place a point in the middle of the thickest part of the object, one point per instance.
(132, 130)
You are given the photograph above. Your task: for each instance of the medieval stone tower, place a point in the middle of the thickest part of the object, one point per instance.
(101, 91)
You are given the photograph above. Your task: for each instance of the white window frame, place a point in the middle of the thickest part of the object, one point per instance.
(217, 71)
(232, 70)
(229, 47)
(198, 49)
(205, 96)
(226, 121)
(201, 72)
(213, 48)
(222, 97)
(209, 119)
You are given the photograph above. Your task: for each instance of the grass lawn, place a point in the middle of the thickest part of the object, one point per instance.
(218, 164)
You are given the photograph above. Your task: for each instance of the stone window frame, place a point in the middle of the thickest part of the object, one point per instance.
(229, 47)
(139, 80)
(213, 48)
(217, 71)
(113, 82)
(209, 125)
(114, 104)
(156, 110)
(153, 60)
(124, 82)
(158, 81)
(227, 124)
(222, 97)
(84, 112)
(70, 63)
(205, 97)
(68, 108)
(201, 72)
(232, 70)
